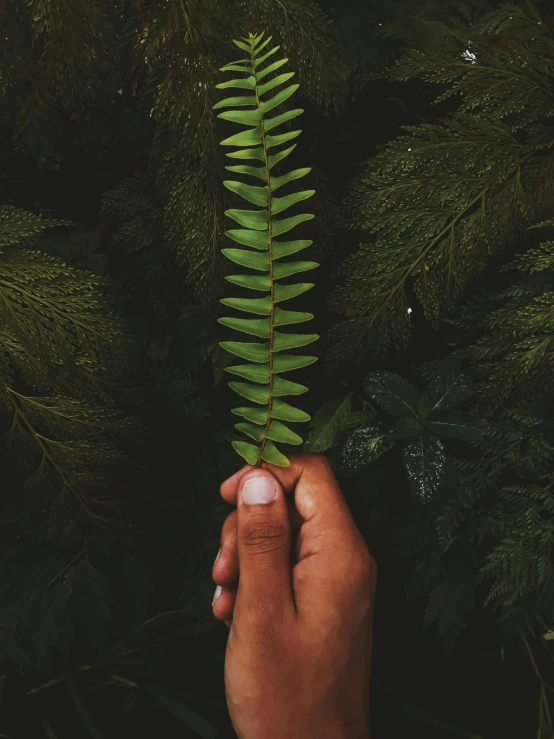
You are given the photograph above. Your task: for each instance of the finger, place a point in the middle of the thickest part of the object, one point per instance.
(264, 596)
(229, 488)
(330, 550)
(225, 571)
(317, 494)
(224, 605)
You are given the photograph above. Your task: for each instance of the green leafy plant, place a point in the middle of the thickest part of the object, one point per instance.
(423, 418)
(267, 360)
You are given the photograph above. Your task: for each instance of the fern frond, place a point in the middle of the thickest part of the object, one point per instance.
(516, 347)
(439, 202)
(58, 336)
(269, 359)
(55, 308)
(17, 224)
(521, 562)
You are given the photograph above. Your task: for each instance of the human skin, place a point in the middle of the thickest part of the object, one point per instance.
(297, 592)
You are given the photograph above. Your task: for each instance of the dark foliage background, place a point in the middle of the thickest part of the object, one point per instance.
(429, 128)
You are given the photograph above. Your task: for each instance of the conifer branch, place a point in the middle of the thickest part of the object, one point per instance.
(43, 442)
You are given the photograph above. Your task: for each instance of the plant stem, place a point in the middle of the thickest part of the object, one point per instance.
(544, 708)
(40, 440)
(271, 286)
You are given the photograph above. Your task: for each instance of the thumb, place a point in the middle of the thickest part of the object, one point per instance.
(264, 550)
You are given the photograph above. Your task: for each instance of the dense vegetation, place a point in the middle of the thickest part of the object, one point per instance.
(433, 396)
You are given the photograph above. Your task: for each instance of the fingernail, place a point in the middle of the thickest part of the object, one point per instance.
(216, 594)
(215, 560)
(259, 490)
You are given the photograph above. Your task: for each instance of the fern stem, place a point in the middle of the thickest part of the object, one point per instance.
(271, 285)
(517, 442)
(421, 257)
(264, 424)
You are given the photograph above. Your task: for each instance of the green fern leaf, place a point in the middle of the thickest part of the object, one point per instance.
(253, 372)
(271, 454)
(249, 452)
(288, 362)
(259, 229)
(286, 387)
(247, 258)
(256, 327)
(255, 393)
(252, 414)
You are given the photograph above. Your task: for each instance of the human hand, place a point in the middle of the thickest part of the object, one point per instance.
(300, 614)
